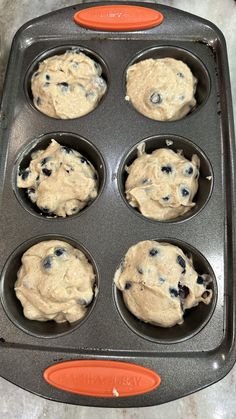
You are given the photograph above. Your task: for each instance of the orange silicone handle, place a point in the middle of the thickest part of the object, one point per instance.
(100, 378)
(120, 17)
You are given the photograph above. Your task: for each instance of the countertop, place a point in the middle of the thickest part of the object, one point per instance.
(215, 402)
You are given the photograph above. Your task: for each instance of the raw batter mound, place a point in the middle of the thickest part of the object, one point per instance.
(161, 89)
(55, 282)
(68, 86)
(159, 283)
(59, 180)
(162, 184)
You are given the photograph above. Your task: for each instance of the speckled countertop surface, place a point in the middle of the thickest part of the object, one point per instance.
(217, 401)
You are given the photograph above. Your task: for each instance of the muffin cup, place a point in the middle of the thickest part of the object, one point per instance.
(193, 62)
(175, 143)
(60, 51)
(194, 319)
(68, 139)
(13, 307)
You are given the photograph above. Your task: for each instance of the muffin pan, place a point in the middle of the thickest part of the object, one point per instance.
(187, 357)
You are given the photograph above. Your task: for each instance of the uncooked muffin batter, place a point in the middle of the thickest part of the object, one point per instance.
(161, 89)
(59, 180)
(68, 86)
(55, 282)
(162, 184)
(159, 283)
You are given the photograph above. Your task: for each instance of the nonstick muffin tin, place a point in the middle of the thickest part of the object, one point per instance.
(186, 357)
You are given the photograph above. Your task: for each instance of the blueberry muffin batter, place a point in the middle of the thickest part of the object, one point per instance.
(162, 184)
(161, 89)
(55, 282)
(67, 86)
(59, 180)
(159, 283)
